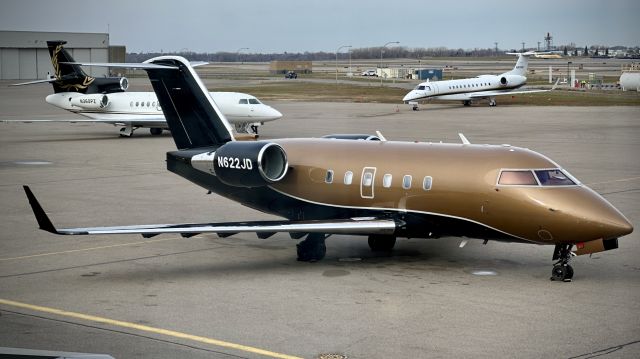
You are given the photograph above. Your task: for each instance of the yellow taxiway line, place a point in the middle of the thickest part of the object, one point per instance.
(146, 328)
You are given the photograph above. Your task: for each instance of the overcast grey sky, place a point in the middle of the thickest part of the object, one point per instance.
(298, 25)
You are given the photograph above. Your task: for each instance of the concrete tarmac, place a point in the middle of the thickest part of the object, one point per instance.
(210, 297)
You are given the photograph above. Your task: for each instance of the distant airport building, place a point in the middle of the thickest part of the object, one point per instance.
(427, 74)
(282, 67)
(24, 54)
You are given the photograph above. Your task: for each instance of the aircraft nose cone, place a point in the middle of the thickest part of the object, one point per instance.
(609, 220)
(618, 225)
(408, 97)
(275, 113)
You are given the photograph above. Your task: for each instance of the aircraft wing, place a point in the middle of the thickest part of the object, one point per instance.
(53, 79)
(264, 229)
(146, 119)
(501, 93)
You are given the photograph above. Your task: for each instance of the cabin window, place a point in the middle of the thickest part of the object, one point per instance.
(137, 103)
(406, 182)
(243, 101)
(131, 104)
(367, 181)
(348, 177)
(426, 183)
(517, 177)
(154, 104)
(553, 177)
(254, 101)
(329, 177)
(386, 180)
(148, 104)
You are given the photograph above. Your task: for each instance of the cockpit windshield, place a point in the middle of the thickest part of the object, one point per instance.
(254, 101)
(519, 177)
(423, 88)
(535, 177)
(553, 177)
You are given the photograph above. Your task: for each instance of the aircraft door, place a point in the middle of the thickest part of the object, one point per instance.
(367, 182)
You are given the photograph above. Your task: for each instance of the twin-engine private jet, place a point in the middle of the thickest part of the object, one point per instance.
(368, 186)
(106, 100)
(476, 88)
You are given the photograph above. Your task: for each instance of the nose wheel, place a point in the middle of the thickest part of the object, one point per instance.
(562, 271)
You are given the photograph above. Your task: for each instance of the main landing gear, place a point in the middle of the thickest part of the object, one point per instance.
(247, 127)
(562, 271)
(313, 248)
(381, 243)
(127, 130)
(492, 102)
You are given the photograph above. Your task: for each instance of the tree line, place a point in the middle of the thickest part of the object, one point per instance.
(359, 54)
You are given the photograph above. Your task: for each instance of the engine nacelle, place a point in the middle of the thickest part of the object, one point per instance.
(250, 164)
(91, 102)
(512, 80)
(110, 84)
(355, 136)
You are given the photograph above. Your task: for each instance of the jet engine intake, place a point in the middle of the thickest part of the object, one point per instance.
(250, 164)
(512, 80)
(91, 102)
(111, 84)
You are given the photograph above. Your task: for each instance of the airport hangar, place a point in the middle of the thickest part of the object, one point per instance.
(24, 54)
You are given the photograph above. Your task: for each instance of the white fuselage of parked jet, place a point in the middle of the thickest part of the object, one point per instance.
(466, 89)
(142, 109)
(475, 88)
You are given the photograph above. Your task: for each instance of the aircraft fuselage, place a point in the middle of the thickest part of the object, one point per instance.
(436, 189)
(465, 89)
(127, 107)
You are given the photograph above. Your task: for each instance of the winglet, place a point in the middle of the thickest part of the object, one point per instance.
(463, 139)
(41, 216)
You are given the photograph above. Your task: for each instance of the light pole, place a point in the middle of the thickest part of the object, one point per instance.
(350, 73)
(568, 83)
(381, 51)
(238, 52)
(338, 50)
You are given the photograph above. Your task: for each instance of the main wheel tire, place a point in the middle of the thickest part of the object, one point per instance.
(379, 243)
(561, 273)
(569, 274)
(155, 131)
(312, 249)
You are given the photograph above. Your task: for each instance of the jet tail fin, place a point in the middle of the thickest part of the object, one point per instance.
(522, 64)
(192, 115)
(70, 77)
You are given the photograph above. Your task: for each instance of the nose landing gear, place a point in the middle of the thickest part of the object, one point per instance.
(562, 271)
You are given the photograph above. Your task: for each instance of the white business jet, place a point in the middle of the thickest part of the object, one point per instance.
(104, 100)
(475, 88)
